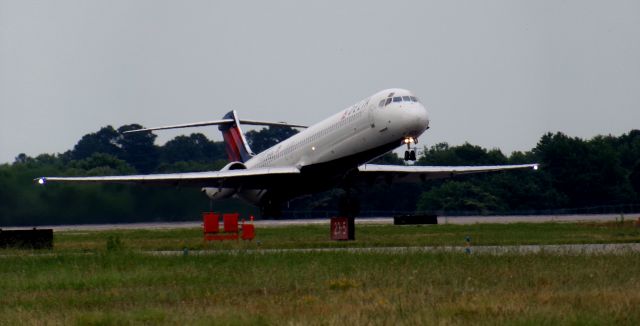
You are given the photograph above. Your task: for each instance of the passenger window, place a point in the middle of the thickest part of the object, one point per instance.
(406, 98)
(387, 102)
(397, 99)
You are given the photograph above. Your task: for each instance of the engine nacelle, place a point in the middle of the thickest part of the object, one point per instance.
(219, 193)
(234, 166)
(253, 196)
(216, 193)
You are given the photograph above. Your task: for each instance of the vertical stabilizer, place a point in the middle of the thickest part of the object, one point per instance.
(235, 144)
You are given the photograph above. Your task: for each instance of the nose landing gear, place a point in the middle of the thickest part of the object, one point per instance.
(410, 154)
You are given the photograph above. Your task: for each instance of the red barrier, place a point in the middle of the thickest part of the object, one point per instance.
(230, 222)
(248, 232)
(211, 221)
(231, 229)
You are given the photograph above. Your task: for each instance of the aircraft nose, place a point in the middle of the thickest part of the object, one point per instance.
(419, 118)
(423, 117)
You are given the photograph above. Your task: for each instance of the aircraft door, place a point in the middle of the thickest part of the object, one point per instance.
(371, 108)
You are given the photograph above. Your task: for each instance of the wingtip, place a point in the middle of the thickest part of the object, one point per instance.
(40, 181)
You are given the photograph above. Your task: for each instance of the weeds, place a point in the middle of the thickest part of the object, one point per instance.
(114, 243)
(316, 236)
(77, 284)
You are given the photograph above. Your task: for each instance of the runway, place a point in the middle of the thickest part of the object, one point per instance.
(565, 249)
(568, 249)
(365, 220)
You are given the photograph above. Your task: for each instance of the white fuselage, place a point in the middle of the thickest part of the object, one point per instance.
(359, 128)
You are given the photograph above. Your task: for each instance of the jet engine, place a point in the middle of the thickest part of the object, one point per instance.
(219, 193)
(216, 193)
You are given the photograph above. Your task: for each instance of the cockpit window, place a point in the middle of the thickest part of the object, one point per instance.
(390, 94)
(395, 99)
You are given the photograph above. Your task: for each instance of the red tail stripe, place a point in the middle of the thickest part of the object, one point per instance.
(232, 147)
(233, 140)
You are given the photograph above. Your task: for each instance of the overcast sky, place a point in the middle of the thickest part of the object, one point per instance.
(494, 73)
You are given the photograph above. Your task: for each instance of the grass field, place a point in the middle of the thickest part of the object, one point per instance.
(81, 282)
(317, 236)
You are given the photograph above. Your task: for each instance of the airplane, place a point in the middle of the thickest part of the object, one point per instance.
(331, 153)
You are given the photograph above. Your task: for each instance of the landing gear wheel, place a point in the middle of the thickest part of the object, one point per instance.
(410, 155)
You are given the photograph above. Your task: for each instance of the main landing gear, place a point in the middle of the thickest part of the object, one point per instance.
(410, 154)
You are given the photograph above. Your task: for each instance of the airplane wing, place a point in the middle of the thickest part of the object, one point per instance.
(401, 173)
(263, 178)
(258, 178)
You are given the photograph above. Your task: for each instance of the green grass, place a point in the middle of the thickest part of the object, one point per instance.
(80, 282)
(317, 236)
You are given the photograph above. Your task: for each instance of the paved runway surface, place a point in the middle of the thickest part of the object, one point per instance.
(367, 220)
(569, 249)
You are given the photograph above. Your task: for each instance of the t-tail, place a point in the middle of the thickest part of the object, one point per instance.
(235, 143)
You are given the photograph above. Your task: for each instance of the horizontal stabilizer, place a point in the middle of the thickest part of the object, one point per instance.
(220, 122)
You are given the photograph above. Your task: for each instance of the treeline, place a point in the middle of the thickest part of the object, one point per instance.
(109, 152)
(604, 170)
(574, 173)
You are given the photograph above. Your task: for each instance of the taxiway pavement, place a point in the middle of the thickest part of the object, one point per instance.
(363, 220)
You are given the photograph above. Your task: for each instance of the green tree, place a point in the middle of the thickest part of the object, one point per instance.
(459, 196)
(574, 173)
(267, 137)
(138, 149)
(104, 141)
(634, 178)
(587, 173)
(102, 164)
(22, 158)
(195, 147)
(628, 146)
(466, 154)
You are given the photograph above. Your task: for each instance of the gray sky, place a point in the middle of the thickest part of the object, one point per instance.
(495, 73)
